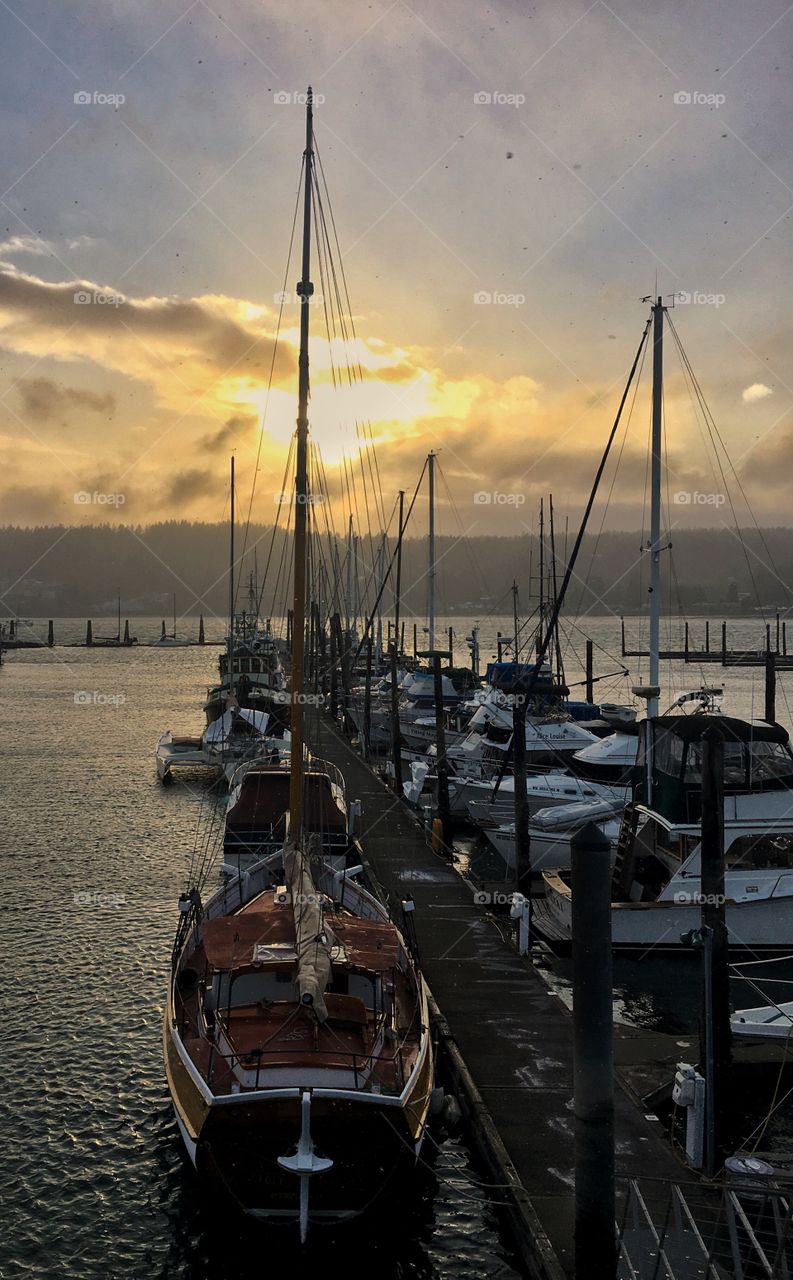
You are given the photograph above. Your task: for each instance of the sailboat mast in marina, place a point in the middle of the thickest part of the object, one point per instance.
(304, 290)
(296, 1038)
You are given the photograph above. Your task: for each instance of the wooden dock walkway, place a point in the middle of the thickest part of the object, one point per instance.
(513, 1034)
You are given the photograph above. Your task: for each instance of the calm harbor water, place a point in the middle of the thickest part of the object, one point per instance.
(95, 855)
(95, 852)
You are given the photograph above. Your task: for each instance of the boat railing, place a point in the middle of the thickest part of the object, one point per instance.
(223, 1067)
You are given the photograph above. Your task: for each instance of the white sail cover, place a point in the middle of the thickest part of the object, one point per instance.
(219, 730)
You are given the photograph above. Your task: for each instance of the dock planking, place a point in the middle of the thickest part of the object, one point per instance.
(514, 1034)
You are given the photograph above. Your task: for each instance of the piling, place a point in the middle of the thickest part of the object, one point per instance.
(126, 631)
(89, 633)
(50, 634)
(770, 687)
(444, 811)
(715, 1039)
(522, 845)
(590, 664)
(367, 696)
(593, 1057)
(201, 639)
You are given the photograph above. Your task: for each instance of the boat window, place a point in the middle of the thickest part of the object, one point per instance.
(755, 852)
(769, 760)
(734, 764)
(668, 752)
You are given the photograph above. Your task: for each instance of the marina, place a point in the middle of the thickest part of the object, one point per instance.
(394, 676)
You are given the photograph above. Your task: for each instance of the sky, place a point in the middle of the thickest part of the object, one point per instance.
(508, 183)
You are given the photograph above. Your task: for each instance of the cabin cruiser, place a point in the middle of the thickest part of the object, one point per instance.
(656, 885)
(551, 831)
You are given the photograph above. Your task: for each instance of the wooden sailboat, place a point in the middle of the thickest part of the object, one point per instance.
(296, 1037)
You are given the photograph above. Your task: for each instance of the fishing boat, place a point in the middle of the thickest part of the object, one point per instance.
(296, 1034)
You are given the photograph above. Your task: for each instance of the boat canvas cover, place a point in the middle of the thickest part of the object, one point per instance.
(221, 728)
(230, 942)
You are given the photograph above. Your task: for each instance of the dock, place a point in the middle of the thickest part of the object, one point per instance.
(505, 1037)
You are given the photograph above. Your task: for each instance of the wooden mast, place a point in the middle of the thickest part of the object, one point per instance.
(305, 290)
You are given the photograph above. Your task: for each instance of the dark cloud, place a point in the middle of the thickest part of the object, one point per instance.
(44, 400)
(226, 437)
(189, 485)
(191, 327)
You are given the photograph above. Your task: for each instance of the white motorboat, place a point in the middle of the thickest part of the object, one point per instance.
(551, 831)
(767, 1022)
(657, 896)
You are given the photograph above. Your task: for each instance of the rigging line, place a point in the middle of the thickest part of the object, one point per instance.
(712, 429)
(287, 470)
(272, 369)
(709, 415)
(378, 485)
(628, 422)
(387, 574)
(542, 648)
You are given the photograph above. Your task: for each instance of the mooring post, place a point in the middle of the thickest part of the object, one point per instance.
(777, 631)
(126, 632)
(50, 634)
(444, 812)
(522, 842)
(89, 633)
(367, 696)
(201, 639)
(724, 643)
(498, 646)
(334, 672)
(707, 635)
(770, 687)
(590, 671)
(685, 641)
(415, 641)
(715, 1040)
(593, 1056)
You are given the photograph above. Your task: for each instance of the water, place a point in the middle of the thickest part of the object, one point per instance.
(95, 853)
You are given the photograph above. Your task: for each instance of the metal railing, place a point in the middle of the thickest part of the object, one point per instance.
(701, 1232)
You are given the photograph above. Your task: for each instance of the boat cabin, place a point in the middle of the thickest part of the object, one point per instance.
(757, 758)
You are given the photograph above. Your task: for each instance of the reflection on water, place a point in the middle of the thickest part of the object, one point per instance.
(95, 854)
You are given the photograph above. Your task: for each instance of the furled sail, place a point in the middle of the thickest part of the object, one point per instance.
(314, 940)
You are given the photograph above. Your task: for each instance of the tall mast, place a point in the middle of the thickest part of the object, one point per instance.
(431, 557)
(655, 504)
(231, 583)
(305, 290)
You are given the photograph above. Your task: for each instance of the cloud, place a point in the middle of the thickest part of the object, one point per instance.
(224, 439)
(44, 400)
(189, 485)
(757, 391)
(38, 247)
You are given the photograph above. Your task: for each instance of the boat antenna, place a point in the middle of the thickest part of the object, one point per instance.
(304, 290)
